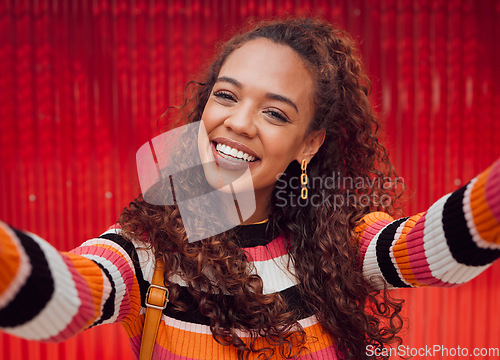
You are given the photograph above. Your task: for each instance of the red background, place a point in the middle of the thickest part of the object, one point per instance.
(83, 82)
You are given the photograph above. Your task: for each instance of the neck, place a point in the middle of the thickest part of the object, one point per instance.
(262, 202)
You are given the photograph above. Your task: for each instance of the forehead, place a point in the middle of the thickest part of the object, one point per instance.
(262, 64)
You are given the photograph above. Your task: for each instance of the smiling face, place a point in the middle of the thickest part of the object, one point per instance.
(258, 114)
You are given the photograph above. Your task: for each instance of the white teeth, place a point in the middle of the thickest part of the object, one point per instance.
(227, 150)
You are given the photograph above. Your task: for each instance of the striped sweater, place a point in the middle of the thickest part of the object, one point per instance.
(48, 295)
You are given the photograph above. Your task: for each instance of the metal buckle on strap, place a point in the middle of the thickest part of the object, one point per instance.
(167, 293)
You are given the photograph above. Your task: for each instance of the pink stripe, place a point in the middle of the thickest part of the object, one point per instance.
(86, 310)
(491, 190)
(416, 253)
(274, 249)
(126, 273)
(114, 226)
(135, 344)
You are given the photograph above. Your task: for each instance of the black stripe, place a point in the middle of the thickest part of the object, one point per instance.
(36, 291)
(109, 305)
(296, 302)
(383, 246)
(291, 296)
(458, 237)
(253, 235)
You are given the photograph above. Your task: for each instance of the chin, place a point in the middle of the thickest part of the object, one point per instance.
(228, 181)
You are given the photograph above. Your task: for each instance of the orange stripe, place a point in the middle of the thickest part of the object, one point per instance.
(400, 252)
(204, 347)
(484, 220)
(134, 328)
(135, 303)
(110, 247)
(93, 276)
(370, 219)
(10, 260)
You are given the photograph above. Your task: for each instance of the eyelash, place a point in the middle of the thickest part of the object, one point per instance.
(277, 115)
(225, 95)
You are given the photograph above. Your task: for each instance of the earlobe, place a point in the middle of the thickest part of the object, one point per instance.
(311, 145)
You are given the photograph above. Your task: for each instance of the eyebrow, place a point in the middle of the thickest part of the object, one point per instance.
(271, 96)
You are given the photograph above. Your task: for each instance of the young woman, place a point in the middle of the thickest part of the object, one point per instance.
(305, 276)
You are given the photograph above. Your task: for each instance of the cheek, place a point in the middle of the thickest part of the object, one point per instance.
(281, 147)
(207, 119)
(213, 116)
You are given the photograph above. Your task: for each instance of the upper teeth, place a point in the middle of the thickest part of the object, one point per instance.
(228, 150)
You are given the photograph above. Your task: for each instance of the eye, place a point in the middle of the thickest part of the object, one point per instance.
(277, 115)
(225, 96)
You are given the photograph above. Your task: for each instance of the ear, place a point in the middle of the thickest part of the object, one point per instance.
(311, 145)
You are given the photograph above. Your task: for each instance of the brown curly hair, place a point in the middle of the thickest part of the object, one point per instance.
(321, 246)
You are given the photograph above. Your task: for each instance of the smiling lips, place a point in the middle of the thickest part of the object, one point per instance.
(232, 155)
(227, 150)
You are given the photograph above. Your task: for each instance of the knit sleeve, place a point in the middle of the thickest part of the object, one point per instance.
(47, 295)
(456, 239)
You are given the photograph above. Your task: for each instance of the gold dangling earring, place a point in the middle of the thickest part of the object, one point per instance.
(304, 180)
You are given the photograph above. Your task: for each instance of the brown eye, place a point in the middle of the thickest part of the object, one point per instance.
(277, 115)
(225, 95)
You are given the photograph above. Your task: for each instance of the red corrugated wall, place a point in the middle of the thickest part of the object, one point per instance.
(83, 82)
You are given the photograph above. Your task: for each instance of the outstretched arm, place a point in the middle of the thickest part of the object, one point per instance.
(48, 295)
(456, 239)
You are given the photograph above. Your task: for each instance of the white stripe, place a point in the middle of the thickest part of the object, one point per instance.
(115, 246)
(106, 291)
(176, 279)
(275, 275)
(147, 264)
(187, 326)
(441, 262)
(113, 230)
(480, 242)
(371, 270)
(61, 308)
(22, 273)
(146, 259)
(310, 321)
(205, 329)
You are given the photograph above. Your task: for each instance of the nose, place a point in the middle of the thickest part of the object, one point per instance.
(242, 122)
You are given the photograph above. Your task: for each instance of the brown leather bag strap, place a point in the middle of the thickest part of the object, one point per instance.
(156, 301)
